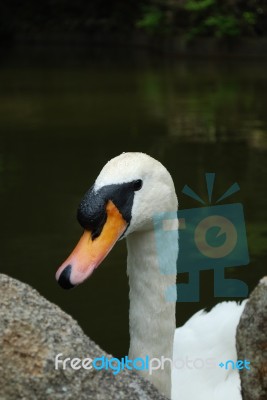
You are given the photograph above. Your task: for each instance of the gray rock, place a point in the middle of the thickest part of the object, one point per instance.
(252, 344)
(32, 332)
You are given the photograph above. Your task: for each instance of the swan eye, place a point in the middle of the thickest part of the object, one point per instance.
(137, 184)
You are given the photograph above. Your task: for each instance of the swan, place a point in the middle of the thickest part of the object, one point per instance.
(130, 189)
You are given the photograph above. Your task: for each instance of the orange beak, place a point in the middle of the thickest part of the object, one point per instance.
(88, 253)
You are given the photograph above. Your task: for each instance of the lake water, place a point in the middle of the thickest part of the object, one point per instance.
(65, 112)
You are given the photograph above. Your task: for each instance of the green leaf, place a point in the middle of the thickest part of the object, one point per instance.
(194, 5)
(151, 19)
(249, 18)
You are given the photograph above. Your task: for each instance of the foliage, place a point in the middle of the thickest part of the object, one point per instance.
(211, 18)
(151, 19)
(196, 6)
(188, 18)
(249, 17)
(223, 25)
(217, 19)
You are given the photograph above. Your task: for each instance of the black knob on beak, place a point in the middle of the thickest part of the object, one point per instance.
(64, 278)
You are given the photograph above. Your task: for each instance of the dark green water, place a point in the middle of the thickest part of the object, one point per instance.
(64, 114)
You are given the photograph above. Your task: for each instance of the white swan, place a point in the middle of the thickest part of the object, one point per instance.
(130, 189)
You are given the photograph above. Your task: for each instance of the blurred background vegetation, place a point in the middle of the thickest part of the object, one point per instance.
(186, 18)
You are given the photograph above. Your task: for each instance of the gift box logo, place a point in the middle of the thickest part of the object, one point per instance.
(212, 237)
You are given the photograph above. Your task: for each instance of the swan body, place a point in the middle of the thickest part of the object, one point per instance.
(207, 339)
(129, 191)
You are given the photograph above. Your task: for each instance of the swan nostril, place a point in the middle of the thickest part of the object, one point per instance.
(64, 278)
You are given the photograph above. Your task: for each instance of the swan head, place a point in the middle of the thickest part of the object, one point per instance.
(130, 189)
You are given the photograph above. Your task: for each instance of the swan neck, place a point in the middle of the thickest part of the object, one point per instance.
(151, 316)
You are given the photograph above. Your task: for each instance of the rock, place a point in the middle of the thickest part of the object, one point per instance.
(252, 344)
(32, 332)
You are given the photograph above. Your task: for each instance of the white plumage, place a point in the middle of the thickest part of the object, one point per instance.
(209, 337)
